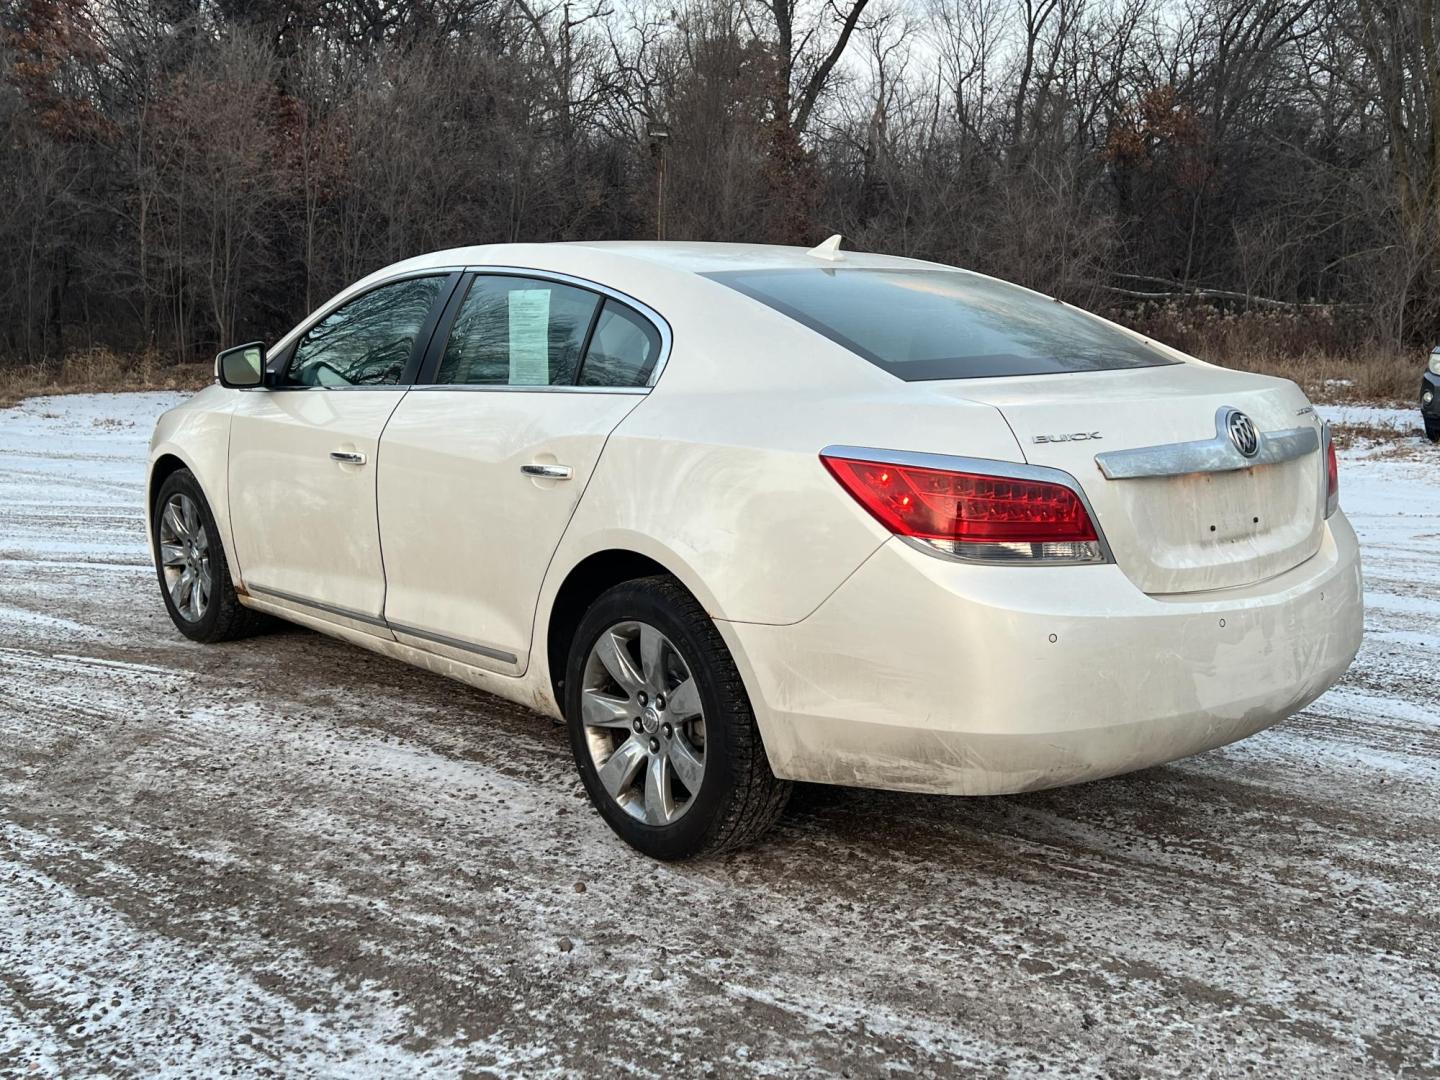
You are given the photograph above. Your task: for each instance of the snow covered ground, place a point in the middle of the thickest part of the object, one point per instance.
(287, 857)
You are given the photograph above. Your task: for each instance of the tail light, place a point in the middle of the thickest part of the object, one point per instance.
(987, 517)
(1332, 475)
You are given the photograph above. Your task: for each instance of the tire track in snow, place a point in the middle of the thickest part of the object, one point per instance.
(82, 978)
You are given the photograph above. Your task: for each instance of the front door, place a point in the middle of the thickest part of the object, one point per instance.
(303, 453)
(482, 469)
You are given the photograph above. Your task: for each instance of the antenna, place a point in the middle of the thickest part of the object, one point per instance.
(829, 250)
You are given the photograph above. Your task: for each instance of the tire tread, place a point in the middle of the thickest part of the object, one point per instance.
(232, 619)
(757, 797)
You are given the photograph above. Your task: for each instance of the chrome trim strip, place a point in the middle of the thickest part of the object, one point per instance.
(1207, 455)
(985, 467)
(396, 387)
(371, 620)
(455, 643)
(332, 609)
(562, 388)
(344, 296)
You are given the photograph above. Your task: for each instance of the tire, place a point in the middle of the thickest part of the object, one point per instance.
(201, 615)
(624, 727)
(1432, 429)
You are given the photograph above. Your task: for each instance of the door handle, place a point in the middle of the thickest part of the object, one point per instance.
(548, 472)
(348, 457)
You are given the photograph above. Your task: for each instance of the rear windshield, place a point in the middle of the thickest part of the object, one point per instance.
(943, 324)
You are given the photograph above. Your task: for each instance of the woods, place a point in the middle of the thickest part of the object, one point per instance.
(178, 175)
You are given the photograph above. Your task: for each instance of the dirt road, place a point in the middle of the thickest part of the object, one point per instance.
(289, 857)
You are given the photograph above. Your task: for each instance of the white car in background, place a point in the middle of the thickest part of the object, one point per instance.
(745, 515)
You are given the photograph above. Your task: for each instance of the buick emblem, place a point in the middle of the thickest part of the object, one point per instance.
(1242, 433)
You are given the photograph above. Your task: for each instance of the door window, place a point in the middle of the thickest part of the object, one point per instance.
(518, 332)
(623, 349)
(368, 341)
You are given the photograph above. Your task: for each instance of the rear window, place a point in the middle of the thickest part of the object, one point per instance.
(943, 324)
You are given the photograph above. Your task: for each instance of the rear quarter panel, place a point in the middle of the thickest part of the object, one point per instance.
(717, 476)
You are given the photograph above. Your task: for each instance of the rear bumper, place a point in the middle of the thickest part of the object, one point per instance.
(919, 674)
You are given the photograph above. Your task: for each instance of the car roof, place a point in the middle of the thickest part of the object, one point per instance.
(702, 258)
(683, 256)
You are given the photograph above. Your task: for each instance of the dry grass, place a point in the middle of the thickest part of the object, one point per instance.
(97, 371)
(1371, 377)
(1361, 434)
(1321, 352)
(1403, 441)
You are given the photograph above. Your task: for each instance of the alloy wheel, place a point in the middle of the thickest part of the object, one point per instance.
(185, 557)
(643, 722)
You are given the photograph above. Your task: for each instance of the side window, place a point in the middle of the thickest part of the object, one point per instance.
(623, 349)
(368, 341)
(517, 332)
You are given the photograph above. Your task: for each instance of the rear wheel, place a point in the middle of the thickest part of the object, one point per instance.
(661, 726)
(190, 562)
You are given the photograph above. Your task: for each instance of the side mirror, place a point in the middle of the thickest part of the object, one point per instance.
(242, 367)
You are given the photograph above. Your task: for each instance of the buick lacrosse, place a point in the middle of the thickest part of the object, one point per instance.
(744, 515)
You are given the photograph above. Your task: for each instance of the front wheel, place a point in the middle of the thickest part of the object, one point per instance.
(190, 562)
(1432, 429)
(661, 726)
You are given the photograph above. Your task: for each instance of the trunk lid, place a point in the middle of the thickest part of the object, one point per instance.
(1190, 530)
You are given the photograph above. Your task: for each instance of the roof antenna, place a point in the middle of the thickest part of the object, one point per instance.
(829, 250)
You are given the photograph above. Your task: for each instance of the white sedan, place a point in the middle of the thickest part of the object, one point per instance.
(746, 515)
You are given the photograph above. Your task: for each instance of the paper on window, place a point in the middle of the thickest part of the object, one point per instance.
(529, 337)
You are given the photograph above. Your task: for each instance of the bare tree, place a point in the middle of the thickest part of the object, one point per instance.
(177, 175)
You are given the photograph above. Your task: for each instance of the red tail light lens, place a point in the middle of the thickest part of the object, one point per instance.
(1332, 475)
(972, 515)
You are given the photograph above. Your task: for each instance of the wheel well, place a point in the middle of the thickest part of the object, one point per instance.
(589, 578)
(165, 464)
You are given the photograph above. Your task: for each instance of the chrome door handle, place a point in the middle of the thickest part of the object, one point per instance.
(347, 456)
(548, 472)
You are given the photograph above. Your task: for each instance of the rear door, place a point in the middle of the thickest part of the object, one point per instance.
(483, 466)
(303, 452)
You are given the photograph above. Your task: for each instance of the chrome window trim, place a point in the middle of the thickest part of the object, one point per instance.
(658, 321)
(290, 389)
(1213, 455)
(343, 298)
(634, 391)
(985, 467)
